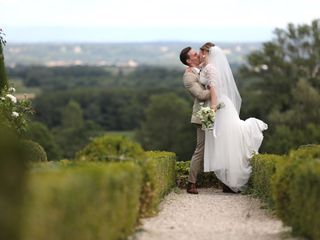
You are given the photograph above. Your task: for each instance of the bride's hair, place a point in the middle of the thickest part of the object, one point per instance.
(207, 46)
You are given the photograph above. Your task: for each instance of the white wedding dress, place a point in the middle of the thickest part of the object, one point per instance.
(232, 142)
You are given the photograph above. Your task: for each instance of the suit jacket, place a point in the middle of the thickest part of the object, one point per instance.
(197, 90)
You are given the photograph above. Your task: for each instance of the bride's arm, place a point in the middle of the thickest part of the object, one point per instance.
(213, 98)
(211, 75)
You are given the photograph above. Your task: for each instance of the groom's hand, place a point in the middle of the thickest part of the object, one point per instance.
(188, 69)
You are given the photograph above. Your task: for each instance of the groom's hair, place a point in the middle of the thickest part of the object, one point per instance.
(184, 55)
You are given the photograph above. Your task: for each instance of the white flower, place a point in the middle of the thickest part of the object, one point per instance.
(264, 67)
(12, 98)
(15, 114)
(12, 90)
(2, 98)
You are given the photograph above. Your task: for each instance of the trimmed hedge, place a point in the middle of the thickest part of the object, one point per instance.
(158, 179)
(297, 191)
(205, 179)
(95, 199)
(158, 167)
(34, 151)
(110, 148)
(12, 184)
(264, 167)
(82, 201)
(291, 185)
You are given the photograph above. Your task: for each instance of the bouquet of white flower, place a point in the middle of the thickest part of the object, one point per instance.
(207, 115)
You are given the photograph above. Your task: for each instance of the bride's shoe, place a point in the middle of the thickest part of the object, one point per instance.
(226, 189)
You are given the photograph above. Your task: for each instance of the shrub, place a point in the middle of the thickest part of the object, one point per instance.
(305, 152)
(16, 112)
(205, 179)
(82, 201)
(297, 193)
(12, 184)
(110, 148)
(34, 151)
(264, 167)
(40, 133)
(158, 179)
(304, 206)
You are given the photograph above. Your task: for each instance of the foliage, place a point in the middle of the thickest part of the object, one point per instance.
(108, 108)
(82, 201)
(290, 185)
(204, 179)
(105, 108)
(72, 115)
(3, 75)
(264, 166)
(297, 192)
(39, 132)
(285, 89)
(54, 78)
(110, 148)
(111, 196)
(167, 126)
(34, 152)
(15, 111)
(12, 183)
(75, 132)
(158, 179)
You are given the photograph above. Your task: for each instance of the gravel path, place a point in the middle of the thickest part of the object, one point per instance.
(211, 214)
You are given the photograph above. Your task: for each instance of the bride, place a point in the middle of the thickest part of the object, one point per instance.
(232, 142)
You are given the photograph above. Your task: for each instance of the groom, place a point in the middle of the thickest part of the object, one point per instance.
(190, 58)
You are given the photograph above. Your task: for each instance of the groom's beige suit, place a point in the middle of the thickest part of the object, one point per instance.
(200, 94)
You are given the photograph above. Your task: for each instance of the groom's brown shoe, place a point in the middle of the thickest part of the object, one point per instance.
(191, 188)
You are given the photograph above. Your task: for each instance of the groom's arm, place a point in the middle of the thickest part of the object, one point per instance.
(195, 88)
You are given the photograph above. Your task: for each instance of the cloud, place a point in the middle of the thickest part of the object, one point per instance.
(160, 13)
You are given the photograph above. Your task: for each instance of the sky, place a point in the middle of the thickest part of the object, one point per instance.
(150, 20)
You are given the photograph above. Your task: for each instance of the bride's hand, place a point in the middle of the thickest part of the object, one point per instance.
(214, 107)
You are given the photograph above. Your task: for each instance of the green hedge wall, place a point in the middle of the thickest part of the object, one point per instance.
(297, 191)
(158, 168)
(264, 167)
(291, 185)
(12, 184)
(97, 199)
(82, 201)
(159, 178)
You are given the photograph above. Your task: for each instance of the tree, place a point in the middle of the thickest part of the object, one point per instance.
(72, 116)
(3, 75)
(285, 86)
(167, 126)
(75, 132)
(39, 132)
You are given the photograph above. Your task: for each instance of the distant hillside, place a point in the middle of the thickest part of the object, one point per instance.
(113, 54)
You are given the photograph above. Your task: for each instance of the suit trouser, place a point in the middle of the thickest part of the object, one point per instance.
(196, 164)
